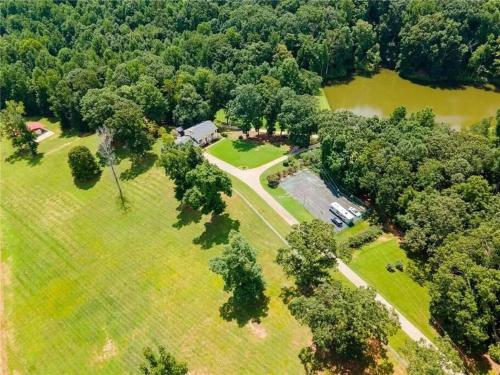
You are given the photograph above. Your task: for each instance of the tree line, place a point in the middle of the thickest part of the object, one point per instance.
(174, 62)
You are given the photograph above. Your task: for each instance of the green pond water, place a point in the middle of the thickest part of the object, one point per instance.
(380, 94)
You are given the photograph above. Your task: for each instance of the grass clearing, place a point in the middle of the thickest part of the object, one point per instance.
(323, 101)
(244, 153)
(281, 195)
(411, 299)
(91, 285)
(358, 227)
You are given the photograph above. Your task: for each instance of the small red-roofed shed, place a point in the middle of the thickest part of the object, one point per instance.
(36, 127)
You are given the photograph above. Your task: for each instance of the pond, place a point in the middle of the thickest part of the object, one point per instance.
(380, 94)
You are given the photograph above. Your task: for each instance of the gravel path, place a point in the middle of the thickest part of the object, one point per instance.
(252, 178)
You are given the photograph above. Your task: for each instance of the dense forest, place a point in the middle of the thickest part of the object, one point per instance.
(180, 61)
(133, 66)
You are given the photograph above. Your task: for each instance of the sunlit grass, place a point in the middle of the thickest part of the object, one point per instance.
(90, 284)
(244, 153)
(293, 206)
(411, 299)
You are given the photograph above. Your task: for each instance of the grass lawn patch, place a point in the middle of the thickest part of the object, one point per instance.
(281, 195)
(323, 101)
(90, 284)
(220, 116)
(244, 153)
(358, 227)
(411, 299)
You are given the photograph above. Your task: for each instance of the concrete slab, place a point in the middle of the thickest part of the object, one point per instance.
(43, 136)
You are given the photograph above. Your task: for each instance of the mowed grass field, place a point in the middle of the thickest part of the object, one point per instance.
(411, 299)
(281, 195)
(244, 153)
(88, 285)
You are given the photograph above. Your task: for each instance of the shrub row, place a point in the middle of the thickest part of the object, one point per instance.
(306, 159)
(364, 237)
(345, 248)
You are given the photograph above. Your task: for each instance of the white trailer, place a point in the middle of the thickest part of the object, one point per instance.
(341, 212)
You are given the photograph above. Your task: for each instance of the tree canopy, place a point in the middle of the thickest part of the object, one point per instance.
(180, 62)
(440, 187)
(311, 252)
(239, 269)
(162, 363)
(347, 324)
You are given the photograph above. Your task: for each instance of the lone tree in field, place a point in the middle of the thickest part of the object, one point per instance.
(198, 184)
(178, 160)
(13, 127)
(83, 165)
(107, 156)
(238, 267)
(207, 182)
(162, 363)
(349, 327)
(310, 254)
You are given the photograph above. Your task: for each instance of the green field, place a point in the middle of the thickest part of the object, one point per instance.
(90, 284)
(244, 153)
(411, 299)
(286, 200)
(323, 101)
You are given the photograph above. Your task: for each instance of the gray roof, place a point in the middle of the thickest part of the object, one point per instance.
(201, 130)
(182, 140)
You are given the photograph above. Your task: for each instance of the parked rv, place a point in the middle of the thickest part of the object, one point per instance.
(341, 212)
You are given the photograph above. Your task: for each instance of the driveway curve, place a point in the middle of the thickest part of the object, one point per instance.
(251, 177)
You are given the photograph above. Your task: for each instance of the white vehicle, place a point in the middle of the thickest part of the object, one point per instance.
(354, 211)
(341, 212)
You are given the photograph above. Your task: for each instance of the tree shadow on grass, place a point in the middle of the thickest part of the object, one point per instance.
(244, 312)
(244, 145)
(85, 185)
(375, 361)
(479, 364)
(217, 231)
(19, 155)
(139, 166)
(186, 216)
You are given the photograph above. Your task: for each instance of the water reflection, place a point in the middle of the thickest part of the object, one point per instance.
(380, 94)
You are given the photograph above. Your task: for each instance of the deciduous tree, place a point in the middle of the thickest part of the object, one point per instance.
(162, 363)
(13, 127)
(311, 252)
(82, 163)
(178, 160)
(347, 324)
(206, 183)
(239, 269)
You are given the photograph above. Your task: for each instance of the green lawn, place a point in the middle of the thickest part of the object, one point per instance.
(323, 101)
(90, 284)
(244, 153)
(281, 195)
(358, 227)
(397, 287)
